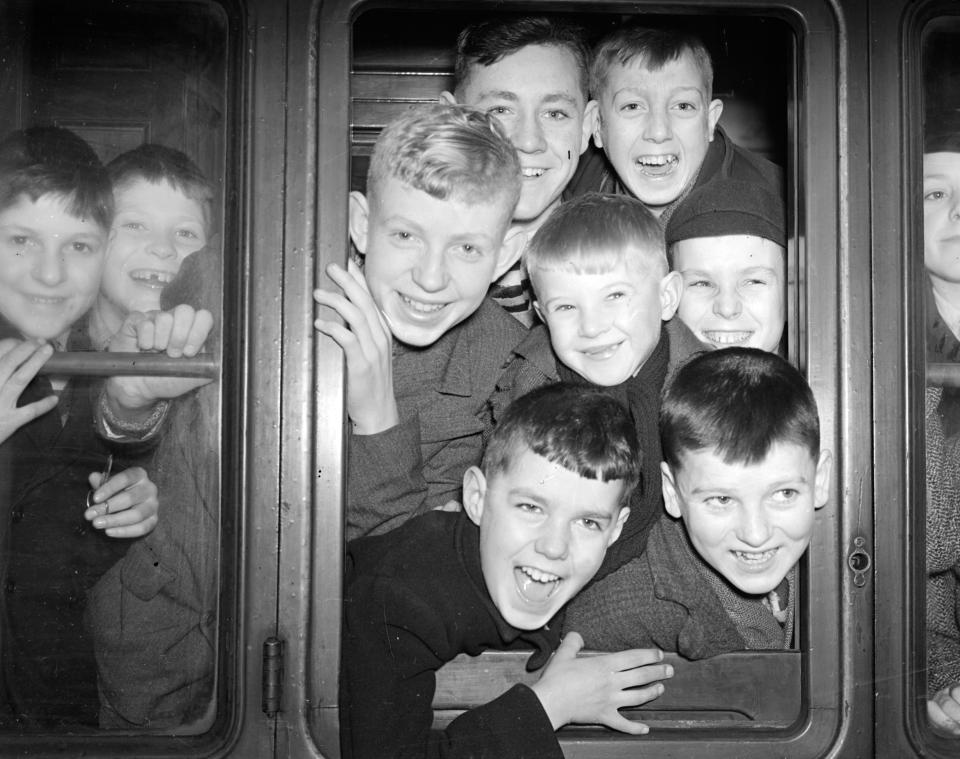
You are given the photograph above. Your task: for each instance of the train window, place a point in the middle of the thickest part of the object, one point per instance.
(114, 635)
(777, 73)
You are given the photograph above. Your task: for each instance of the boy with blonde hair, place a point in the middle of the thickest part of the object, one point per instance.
(423, 346)
(606, 297)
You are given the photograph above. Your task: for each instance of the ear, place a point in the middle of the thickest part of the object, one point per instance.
(822, 480)
(598, 127)
(618, 527)
(448, 97)
(359, 220)
(589, 124)
(474, 490)
(671, 288)
(671, 501)
(510, 251)
(713, 115)
(538, 311)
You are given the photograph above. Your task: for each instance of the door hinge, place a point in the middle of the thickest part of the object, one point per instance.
(272, 675)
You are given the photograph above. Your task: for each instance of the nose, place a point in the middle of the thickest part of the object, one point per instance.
(657, 126)
(554, 540)
(753, 529)
(163, 245)
(430, 272)
(527, 135)
(955, 209)
(50, 268)
(593, 322)
(727, 303)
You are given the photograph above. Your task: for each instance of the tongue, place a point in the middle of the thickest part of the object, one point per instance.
(531, 589)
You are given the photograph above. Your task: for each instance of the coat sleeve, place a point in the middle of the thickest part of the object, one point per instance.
(389, 681)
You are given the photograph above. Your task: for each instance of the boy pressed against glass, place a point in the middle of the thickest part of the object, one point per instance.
(549, 498)
(55, 212)
(423, 345)
(743, 474)
(529, 73)
(727, 241)
(604, 292)
(657, 122)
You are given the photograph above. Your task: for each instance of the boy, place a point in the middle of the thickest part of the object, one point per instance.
(423, 346)
(743, 475)
(549, 498)
(657, 122)
(55, 211)
(162, 215)
(531, 75)
(727, 241)
(603, 289)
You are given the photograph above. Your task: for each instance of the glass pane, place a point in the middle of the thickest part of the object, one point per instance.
(112, 169)
(941, 246)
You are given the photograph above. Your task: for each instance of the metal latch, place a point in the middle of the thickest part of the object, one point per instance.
(859, 562)
(272, 675)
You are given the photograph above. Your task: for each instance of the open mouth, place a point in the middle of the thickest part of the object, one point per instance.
(657, 165)
(601, 352)
(756, 558)
(152, 277)
(725, 337)
(420, 307)
(532, 172)
(535, 585)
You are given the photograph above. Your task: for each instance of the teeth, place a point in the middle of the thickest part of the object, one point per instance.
(421, 307)
(727, 338)
(45, 300)
(539, 576)
(756, 557)
(657, 160)
(602, 351)
(532, 172)
(152, 276)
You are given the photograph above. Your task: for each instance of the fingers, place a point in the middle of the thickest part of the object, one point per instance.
(355, 306)
(126, 505)
(20, 360)
(944, 710)
(618, 722)
(181, 331)
(448, 506)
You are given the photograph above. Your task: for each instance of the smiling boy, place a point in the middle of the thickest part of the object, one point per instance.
(657, 122)
(547, 501)
(531, 75)
(743, 475)
(606, 297)
(727, 243)
(423, 345)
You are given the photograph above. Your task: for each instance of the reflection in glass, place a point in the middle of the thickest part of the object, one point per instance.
(111, 165)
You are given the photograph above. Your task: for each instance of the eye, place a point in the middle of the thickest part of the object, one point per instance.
(562, 307)
(786, 495)
(188, 234)
(616, 295)
(498, 110)
(402, 236)
(630, 107)
(699, 283)
(134, 226)
(718, 500)
(557, 115)
(686, 107)
(528, 508)
(19, 240)
(591, 524)
(935, 195)
(755, 281)
(81, 247)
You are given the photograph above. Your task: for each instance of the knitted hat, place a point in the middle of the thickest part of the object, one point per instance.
(729, 207)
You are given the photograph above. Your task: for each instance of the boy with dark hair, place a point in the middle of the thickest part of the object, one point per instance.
(55, 212)
(657, 122)
(606, 297)
(530, 73)
(550, 496)
(423, 345)
(727, 241)
(743, 475)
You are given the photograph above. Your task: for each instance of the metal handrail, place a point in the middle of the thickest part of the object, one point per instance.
(96, 364)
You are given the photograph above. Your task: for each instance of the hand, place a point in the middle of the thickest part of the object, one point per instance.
(367, 346)
(180, 332)
(943, 710)
(125, 506)
(20, 360)
(590, 690)
(450, 505)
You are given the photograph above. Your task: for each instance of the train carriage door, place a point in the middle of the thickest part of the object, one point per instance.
(183, 624)
(915, 173)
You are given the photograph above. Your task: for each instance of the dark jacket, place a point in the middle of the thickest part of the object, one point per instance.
(415, 598)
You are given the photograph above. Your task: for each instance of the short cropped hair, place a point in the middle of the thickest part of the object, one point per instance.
(738, 402)
(579, 427)
(942, 132)
(593, 233)
(487, 42)
(450, 152)
(653, 47)
(48, 160)
(158, 163)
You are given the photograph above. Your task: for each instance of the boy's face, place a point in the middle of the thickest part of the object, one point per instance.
(544, 531)
(656, 126)
(155, 228)
(750, 522)
(733, 290)
(941, 215)
(535, 93)
(605, 326)
(429, 262)
(50, 266)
